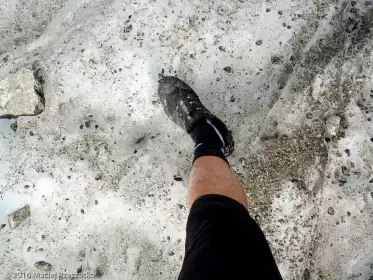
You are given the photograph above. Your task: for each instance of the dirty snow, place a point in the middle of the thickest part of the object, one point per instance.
(97, 166)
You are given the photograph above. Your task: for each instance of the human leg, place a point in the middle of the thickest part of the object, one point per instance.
(223, 241)
(212, 175)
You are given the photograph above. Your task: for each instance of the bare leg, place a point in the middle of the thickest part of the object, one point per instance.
(212, 175)
(222, 240)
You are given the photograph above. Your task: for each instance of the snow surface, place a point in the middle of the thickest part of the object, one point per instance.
(104, 199)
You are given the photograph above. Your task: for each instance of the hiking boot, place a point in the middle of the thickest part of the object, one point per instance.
(184, 108)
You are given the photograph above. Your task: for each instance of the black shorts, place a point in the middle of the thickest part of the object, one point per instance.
(224, 242)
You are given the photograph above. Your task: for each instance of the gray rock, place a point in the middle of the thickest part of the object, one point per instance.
(331, 211)
(14, 126)
(20, 95)
(128, 28)
(139, 140)
(345, 171)
(42, 265)
(98, 176)
(276, 59)
(259, 42)
(227, 69)
(332, 126)
(19, 216)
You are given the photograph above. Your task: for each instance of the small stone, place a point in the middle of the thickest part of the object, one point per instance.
(99, 272)
(280, 12)
(98, 176)
(221, 48)
(2, 226)
(268, 10)
(259, 42)
(79, 270)
(342, 181)
(82, 211)
(14, 126)
(227, 69)
(332, 126)
(275, 59)
(128, 28)
(42, 265)
(232, 99)
(331, 211)
(307, 274)
(337, 174)
(345, 171)
(31, 133)
(178, 178)
(348, 213)
(21, 94)
(96, 202)
(347, 151)
(17, 217)
(139, 140)
(242, 161)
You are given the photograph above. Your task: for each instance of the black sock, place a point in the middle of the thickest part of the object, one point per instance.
(208, 140)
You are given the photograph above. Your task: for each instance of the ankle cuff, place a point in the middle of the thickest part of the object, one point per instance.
(200, 152)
